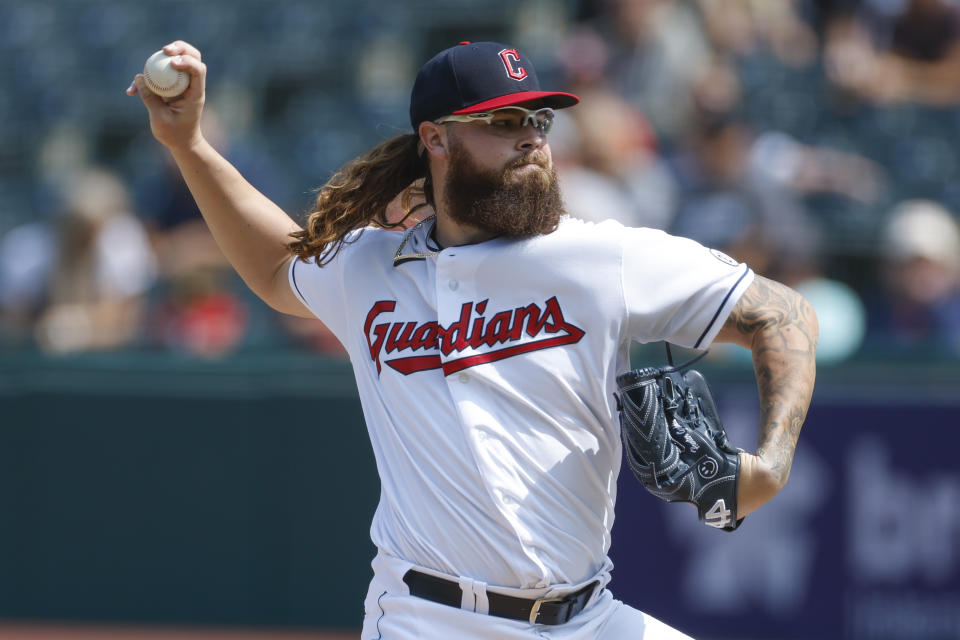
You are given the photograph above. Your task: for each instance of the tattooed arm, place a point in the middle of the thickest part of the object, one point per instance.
(779, 326)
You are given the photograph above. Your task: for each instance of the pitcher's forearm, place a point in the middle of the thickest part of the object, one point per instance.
(780, 327)
(784, 361)
(249, 228)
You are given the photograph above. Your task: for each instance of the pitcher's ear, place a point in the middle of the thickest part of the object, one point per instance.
(433, 137)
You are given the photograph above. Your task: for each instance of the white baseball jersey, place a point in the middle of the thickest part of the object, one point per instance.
(486, 374)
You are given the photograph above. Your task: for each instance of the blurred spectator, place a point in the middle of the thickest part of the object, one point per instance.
(181, 238)
(897, 52)
(607, 160)
(648, 51)
(196, 313)
(807, 169)
(200, 306)
(919, 302)
(716, 92)
(841, 315)
(731, 204)
(77, 282)
(752, 27)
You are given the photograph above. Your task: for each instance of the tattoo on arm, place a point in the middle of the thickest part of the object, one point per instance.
(781, 328)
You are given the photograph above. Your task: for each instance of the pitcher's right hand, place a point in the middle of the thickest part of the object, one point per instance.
(176, 122)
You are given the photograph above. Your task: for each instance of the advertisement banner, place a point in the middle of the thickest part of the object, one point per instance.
(863, 543)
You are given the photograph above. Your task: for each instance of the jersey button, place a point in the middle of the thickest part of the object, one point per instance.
(454, 285)
(464, 378)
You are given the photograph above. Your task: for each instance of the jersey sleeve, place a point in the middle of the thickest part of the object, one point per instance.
(677, 290)
(321, 290)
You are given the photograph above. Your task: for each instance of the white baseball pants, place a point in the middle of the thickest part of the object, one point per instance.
(391, 613)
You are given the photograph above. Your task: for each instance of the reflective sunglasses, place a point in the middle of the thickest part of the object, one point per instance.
(507, 120)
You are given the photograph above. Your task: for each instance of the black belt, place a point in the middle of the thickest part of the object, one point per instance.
(540, 611)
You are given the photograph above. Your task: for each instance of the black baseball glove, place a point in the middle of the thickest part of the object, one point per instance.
(675, 443)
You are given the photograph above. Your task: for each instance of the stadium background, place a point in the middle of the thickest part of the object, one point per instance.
(177, 460)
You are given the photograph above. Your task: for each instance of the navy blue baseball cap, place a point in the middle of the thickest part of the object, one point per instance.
(478, 76)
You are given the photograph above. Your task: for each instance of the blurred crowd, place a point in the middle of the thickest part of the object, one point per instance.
(813, 139)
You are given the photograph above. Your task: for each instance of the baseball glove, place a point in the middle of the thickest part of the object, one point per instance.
(675, 443)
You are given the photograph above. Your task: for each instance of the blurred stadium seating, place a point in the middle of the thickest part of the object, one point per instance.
(301, 87)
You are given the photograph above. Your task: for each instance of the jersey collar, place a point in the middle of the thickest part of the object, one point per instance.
(417, 245)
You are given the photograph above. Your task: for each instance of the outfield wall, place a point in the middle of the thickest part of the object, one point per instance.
(150, 489)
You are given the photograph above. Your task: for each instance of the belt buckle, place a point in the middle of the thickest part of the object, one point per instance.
(535, 611)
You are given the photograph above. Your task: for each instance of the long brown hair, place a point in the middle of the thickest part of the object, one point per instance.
(358, 194)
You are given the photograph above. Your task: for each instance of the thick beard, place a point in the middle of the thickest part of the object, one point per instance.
(504, 204)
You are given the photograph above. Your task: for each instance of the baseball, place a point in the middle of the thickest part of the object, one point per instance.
(163, 79)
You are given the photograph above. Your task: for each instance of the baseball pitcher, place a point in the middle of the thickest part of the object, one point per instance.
(490, 344)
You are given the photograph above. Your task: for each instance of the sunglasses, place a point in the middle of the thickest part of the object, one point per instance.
(508, 120)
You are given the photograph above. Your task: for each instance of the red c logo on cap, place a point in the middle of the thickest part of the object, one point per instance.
(511, 62)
